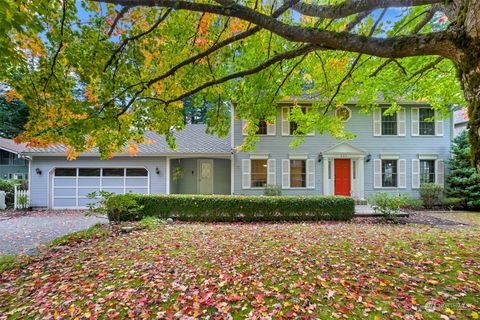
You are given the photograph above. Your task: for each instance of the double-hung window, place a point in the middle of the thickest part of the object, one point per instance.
(426, 125)
(259, 173)
(389, 123)
(427, 171)
(389, 173)
(4, 157)
(298, 173)
(262, 127)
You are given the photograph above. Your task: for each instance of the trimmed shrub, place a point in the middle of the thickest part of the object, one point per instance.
(114, 206)
(272, 190)
(431, 194)
(218, 208)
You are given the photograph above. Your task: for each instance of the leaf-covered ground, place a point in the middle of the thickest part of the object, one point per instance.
(256, 271)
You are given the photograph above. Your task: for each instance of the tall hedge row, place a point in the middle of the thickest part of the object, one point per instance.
(217, 208)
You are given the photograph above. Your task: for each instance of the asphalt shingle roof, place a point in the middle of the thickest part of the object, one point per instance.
(192, 139)
(10, 145)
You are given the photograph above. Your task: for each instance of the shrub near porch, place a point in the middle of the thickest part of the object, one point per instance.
(217, 208)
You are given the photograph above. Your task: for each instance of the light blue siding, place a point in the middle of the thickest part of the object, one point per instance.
(407, 148)
(17, 165)
(41, 184)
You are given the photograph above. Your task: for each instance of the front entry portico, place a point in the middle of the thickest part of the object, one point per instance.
(343, 171)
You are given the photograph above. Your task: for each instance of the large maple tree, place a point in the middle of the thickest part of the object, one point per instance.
(100, 73)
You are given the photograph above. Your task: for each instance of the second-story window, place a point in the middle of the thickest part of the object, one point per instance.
(262, 127)
(389, 123)
(427, 128)
(294, 125)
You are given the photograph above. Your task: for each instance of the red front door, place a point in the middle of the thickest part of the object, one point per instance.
(342, 177)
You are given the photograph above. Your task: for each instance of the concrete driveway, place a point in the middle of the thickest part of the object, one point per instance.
(21, 234)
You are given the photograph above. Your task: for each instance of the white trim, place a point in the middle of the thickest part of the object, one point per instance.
(259, 156)
(389, 156)
(402, 173)
(310, 173)
(401, 123)
(298, 156)
(285, 173)
(415, 173)
(427, 156)
(271, 172)
(167, 175)
(415, 121)
(232, 174)
(349, 113)
(377, 122)
(232, 126)
(377, 173)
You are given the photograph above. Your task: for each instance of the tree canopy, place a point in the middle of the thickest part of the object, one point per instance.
(13, 117)
(101, 73)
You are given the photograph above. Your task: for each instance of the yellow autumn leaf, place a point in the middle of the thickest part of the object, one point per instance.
(474, 315)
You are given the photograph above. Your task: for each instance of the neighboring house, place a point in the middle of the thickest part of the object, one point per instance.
(12, 164)
(390, 153)
(460, 121)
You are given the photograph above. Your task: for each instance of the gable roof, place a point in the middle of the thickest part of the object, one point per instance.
(10, 146)
(343, 148)
(192, 139)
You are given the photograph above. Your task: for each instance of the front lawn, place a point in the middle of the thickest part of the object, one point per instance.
(222, 271)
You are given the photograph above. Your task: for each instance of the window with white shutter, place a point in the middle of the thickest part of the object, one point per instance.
(377, 173)
(401, 130)
(271, 129)
(285, 122)
(415, 122)
(285, 173)
(415, 173)
(377, 122)
(402, 173)
(307, 110)
(438, 125)
(440, 172)
(246, 173)
(272, 171)
(311, 173)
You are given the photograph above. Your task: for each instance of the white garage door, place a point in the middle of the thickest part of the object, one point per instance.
(70, 186)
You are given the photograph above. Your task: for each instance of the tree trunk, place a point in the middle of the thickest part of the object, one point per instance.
(470, 77)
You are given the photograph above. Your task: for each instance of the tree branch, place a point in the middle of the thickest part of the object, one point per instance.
(275, 59)
(350, 7)
(136, 37)
(426, 68)
(435, 43)
(119, 16)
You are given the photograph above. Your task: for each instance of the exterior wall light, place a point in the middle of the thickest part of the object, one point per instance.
(368, 158)
(38, 171)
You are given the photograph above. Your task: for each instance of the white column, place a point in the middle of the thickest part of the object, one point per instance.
(167, 176)
(326, 182)
(360, 177)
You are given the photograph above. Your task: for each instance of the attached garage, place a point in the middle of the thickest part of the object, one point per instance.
(70, 186)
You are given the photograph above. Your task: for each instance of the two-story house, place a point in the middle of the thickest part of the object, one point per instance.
(389, 153)
(393, 153)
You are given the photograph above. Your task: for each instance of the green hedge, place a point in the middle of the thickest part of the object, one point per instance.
(217, 208)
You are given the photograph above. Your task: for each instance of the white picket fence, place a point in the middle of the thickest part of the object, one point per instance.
(21, 198)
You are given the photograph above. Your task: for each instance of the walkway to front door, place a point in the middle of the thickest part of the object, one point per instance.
(342, 177)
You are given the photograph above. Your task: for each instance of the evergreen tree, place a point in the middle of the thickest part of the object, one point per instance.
(194, 111)
(463, 182)
(13, 117)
